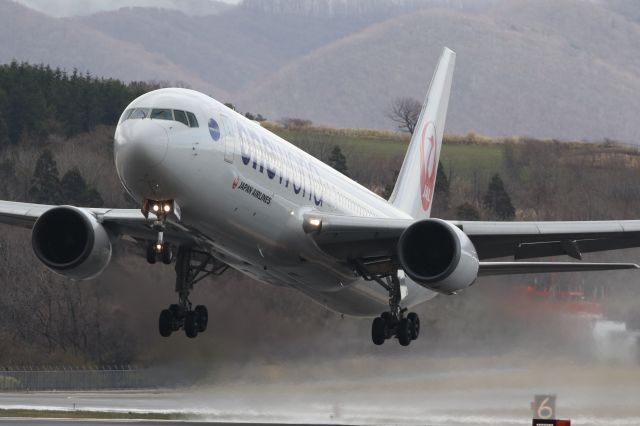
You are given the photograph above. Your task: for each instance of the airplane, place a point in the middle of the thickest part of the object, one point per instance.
(217, 191)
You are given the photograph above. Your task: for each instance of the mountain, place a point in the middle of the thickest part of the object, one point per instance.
(65, 8)
(31, 36)
(545, 68)
(230, 50)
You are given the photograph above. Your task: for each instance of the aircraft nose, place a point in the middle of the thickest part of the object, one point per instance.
(142, 143)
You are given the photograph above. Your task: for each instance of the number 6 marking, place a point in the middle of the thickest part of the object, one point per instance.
(544, 411)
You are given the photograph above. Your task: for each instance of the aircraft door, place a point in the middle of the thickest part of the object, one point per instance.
(230, 138)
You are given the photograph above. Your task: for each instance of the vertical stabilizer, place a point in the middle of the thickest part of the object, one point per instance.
(415, 186)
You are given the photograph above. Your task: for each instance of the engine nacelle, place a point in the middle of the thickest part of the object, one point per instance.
(71, 242)
(438, 255)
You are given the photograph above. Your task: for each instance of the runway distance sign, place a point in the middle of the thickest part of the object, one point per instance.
(544, 407)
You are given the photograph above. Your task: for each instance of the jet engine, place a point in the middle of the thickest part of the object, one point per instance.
(71, 242)
(438, 255)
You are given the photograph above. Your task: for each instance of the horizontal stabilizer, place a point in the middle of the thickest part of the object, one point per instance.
(508, 268)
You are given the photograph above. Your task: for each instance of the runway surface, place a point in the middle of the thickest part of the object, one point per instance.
(64, 422)
(415, 392)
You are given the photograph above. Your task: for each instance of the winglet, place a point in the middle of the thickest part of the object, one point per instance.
(414, 189)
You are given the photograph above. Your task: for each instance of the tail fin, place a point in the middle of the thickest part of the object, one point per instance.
(415, 186)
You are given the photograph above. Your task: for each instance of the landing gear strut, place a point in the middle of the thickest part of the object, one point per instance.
(161, 210)
(191, 267)
(392, 323)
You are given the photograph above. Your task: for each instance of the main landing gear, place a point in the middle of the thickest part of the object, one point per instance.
(191, 266)
(393, 322)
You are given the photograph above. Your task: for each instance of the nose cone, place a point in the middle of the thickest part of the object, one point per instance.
(140, 148)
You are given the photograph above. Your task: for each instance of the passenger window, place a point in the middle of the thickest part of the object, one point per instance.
(139, 113)
(181, 117)
(193, 122)
(161, 114)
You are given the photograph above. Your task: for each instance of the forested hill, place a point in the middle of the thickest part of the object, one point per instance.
(37, 101)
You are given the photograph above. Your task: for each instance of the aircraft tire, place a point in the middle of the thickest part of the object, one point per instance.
(379, 331)
(202, 317)
(191, 324)
(414, 325)
(404, 332)
(388, 319)
(167, 254)
(151, 253)
(165, 323)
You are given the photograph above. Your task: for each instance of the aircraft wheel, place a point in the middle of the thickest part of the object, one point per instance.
(414, 325)
(165, 323)
(202, 317)
(167, 253)
(191, 324)
(388, 319)
(151, 253)
(379, 331)
(404, 332)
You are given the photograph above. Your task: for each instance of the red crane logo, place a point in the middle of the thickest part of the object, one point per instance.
(428, 159)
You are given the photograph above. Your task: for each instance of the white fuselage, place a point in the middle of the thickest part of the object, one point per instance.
(244, 190)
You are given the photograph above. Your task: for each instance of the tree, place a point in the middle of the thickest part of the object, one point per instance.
(75, 190)
(497, 201)
(467, 211)
(45, 183)
(388, 189)
(405, 113)
(338, 161)
(441, 191)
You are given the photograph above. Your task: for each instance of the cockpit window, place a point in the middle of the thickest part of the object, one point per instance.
(181, 117)
(185, 117)
(126, 115)
(161, 114)
(193, 122)
(139, 113)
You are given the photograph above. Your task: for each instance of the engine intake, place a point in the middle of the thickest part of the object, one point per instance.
(71, 242)
(438, 255)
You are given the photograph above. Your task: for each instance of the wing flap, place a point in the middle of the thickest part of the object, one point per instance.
(511, 268)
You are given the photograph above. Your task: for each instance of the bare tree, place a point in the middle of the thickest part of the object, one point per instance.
(405, 112)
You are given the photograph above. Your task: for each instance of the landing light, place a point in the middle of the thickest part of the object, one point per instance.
(159, 247)
(156, 207)
(167, 208)
(313, 224)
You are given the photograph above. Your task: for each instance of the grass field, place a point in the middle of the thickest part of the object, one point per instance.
(461, 154)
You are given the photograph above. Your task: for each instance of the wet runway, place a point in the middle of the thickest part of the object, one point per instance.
(413, 393)
(65, 422)
(80, 422)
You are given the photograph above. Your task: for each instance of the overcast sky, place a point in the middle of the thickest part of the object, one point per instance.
(61, 8)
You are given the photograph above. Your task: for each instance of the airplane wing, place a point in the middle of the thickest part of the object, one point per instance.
(120, 222)
(374, 240)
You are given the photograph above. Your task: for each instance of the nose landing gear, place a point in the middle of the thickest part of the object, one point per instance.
(161, 210)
